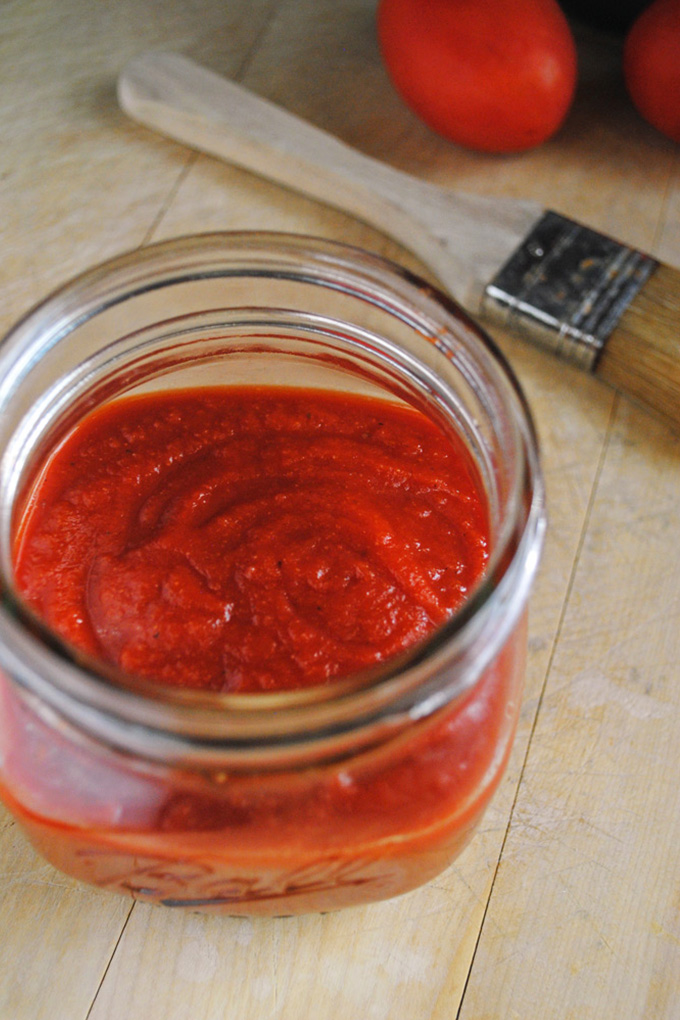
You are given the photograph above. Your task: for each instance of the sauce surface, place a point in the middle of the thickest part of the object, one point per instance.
(251, 539)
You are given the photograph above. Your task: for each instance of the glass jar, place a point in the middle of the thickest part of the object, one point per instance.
(275, 803)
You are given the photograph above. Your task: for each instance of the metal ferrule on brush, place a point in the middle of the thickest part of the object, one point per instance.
(565, 288)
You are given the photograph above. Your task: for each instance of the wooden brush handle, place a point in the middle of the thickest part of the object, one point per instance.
(642, 355)
(207, 112)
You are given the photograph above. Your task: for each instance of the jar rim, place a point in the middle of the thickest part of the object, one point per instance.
(95, 696)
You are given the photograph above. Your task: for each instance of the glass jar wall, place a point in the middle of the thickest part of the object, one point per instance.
(314, 799)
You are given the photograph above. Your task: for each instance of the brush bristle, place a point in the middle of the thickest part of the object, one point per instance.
(642, 355)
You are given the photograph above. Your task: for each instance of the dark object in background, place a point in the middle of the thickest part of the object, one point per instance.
(615, 16)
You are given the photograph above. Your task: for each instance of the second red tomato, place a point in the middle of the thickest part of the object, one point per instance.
(491, 75)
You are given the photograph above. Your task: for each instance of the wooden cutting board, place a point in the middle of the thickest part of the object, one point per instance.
(567, 904)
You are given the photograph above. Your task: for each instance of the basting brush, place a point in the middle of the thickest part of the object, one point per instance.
(591, 300)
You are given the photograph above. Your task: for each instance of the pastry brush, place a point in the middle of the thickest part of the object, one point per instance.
(589, 299)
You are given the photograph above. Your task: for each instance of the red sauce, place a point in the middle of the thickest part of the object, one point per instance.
(251, 539)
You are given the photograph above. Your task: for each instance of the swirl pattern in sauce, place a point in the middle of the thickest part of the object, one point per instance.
(251, 539)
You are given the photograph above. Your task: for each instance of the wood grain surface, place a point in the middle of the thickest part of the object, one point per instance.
(566, 906)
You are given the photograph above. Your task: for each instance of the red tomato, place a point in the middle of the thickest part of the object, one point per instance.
(492, 75)
(651, 65)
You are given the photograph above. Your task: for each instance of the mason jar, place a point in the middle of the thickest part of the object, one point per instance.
(285, 802)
